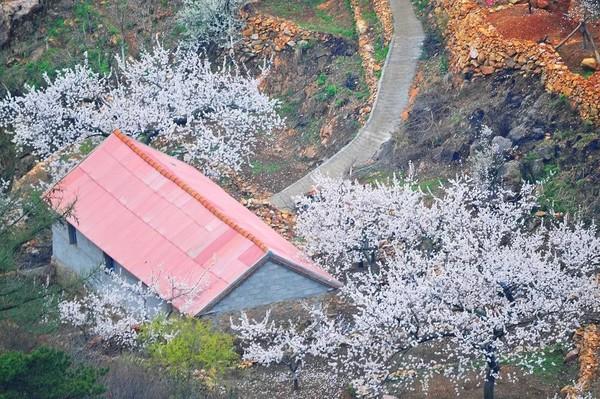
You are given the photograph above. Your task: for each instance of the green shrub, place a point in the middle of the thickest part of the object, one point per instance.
(46, 373)
(420, 5)
(443, 64)
(194, 345)
(321, 79)
(327, 93)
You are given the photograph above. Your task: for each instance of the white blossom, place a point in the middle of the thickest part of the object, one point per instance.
(469, 275)
(114, 308)
(176, 100)
(267, 342)
(210, 21)
(345, 222)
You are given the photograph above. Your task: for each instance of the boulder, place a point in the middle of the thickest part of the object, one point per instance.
(521, 134)
(546, 151)
(544, 4)
(510, 173)
(589, 63)
(13, 12)
(534, 169)
(487, 70)
(501, 145)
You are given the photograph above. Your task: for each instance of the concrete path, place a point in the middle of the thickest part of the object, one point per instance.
(385, 118)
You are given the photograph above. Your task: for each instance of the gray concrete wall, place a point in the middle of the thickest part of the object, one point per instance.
(87, 260)
(270, 283)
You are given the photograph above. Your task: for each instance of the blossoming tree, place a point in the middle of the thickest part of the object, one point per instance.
(266, 342)
(468, 274)
(345, 222)
(175, 100)
(115, 309)
(210, 21)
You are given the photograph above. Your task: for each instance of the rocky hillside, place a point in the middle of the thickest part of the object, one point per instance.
(542, 137)
(316, 69)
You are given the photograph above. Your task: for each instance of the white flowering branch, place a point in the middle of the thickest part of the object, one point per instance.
(115, 308)
(469, 274)
(175, 100)
(210, 21)
(266, 342)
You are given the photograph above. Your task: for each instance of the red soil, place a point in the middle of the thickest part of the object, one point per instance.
(516, 23)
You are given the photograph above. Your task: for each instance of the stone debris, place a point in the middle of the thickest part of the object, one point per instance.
(587, 341)
(590, 63)
(365, 48)
(265, 36)
(259, 203)
(384, 13)
(476, 48)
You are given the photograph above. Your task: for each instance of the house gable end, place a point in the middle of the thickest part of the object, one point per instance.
(271, 282)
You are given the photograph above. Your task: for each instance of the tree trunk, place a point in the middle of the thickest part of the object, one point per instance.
(294, 366)
(488, 388)
(493, 367)
(589, 41)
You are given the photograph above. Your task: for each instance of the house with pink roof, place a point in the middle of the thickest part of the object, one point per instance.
(157, 220)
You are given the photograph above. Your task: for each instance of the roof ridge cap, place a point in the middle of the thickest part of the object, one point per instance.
(129, 142)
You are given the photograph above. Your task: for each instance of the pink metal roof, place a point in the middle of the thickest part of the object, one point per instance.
(159, 217)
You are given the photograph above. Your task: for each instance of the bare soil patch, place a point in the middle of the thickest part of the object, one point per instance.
(516, 23)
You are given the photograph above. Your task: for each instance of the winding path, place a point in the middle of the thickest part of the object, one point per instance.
(392, 99)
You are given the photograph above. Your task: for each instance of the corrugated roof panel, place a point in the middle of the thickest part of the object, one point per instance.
(250, 256)
(191, 237)
(214, 246)
(228, 274)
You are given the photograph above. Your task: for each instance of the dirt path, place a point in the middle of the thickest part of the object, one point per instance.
(392, 98)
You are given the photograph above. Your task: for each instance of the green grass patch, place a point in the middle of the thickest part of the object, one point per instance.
(57, 28)
(420, 5)
(350, 66)
(559, 194)
(381, 51)
(564, 135)
(586, 73)
(443, 64)
(287, 107)
(86, 147)
(431, 185)
(546, 364)
(86, 15)
(312, 133)
(321, 79)
(308, 15)
(267, 168)
(585, 140)
(327, 93)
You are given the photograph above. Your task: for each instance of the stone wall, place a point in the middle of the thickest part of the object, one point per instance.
(270, 283)
(265, 35)
(476, 47)
(384, 13)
